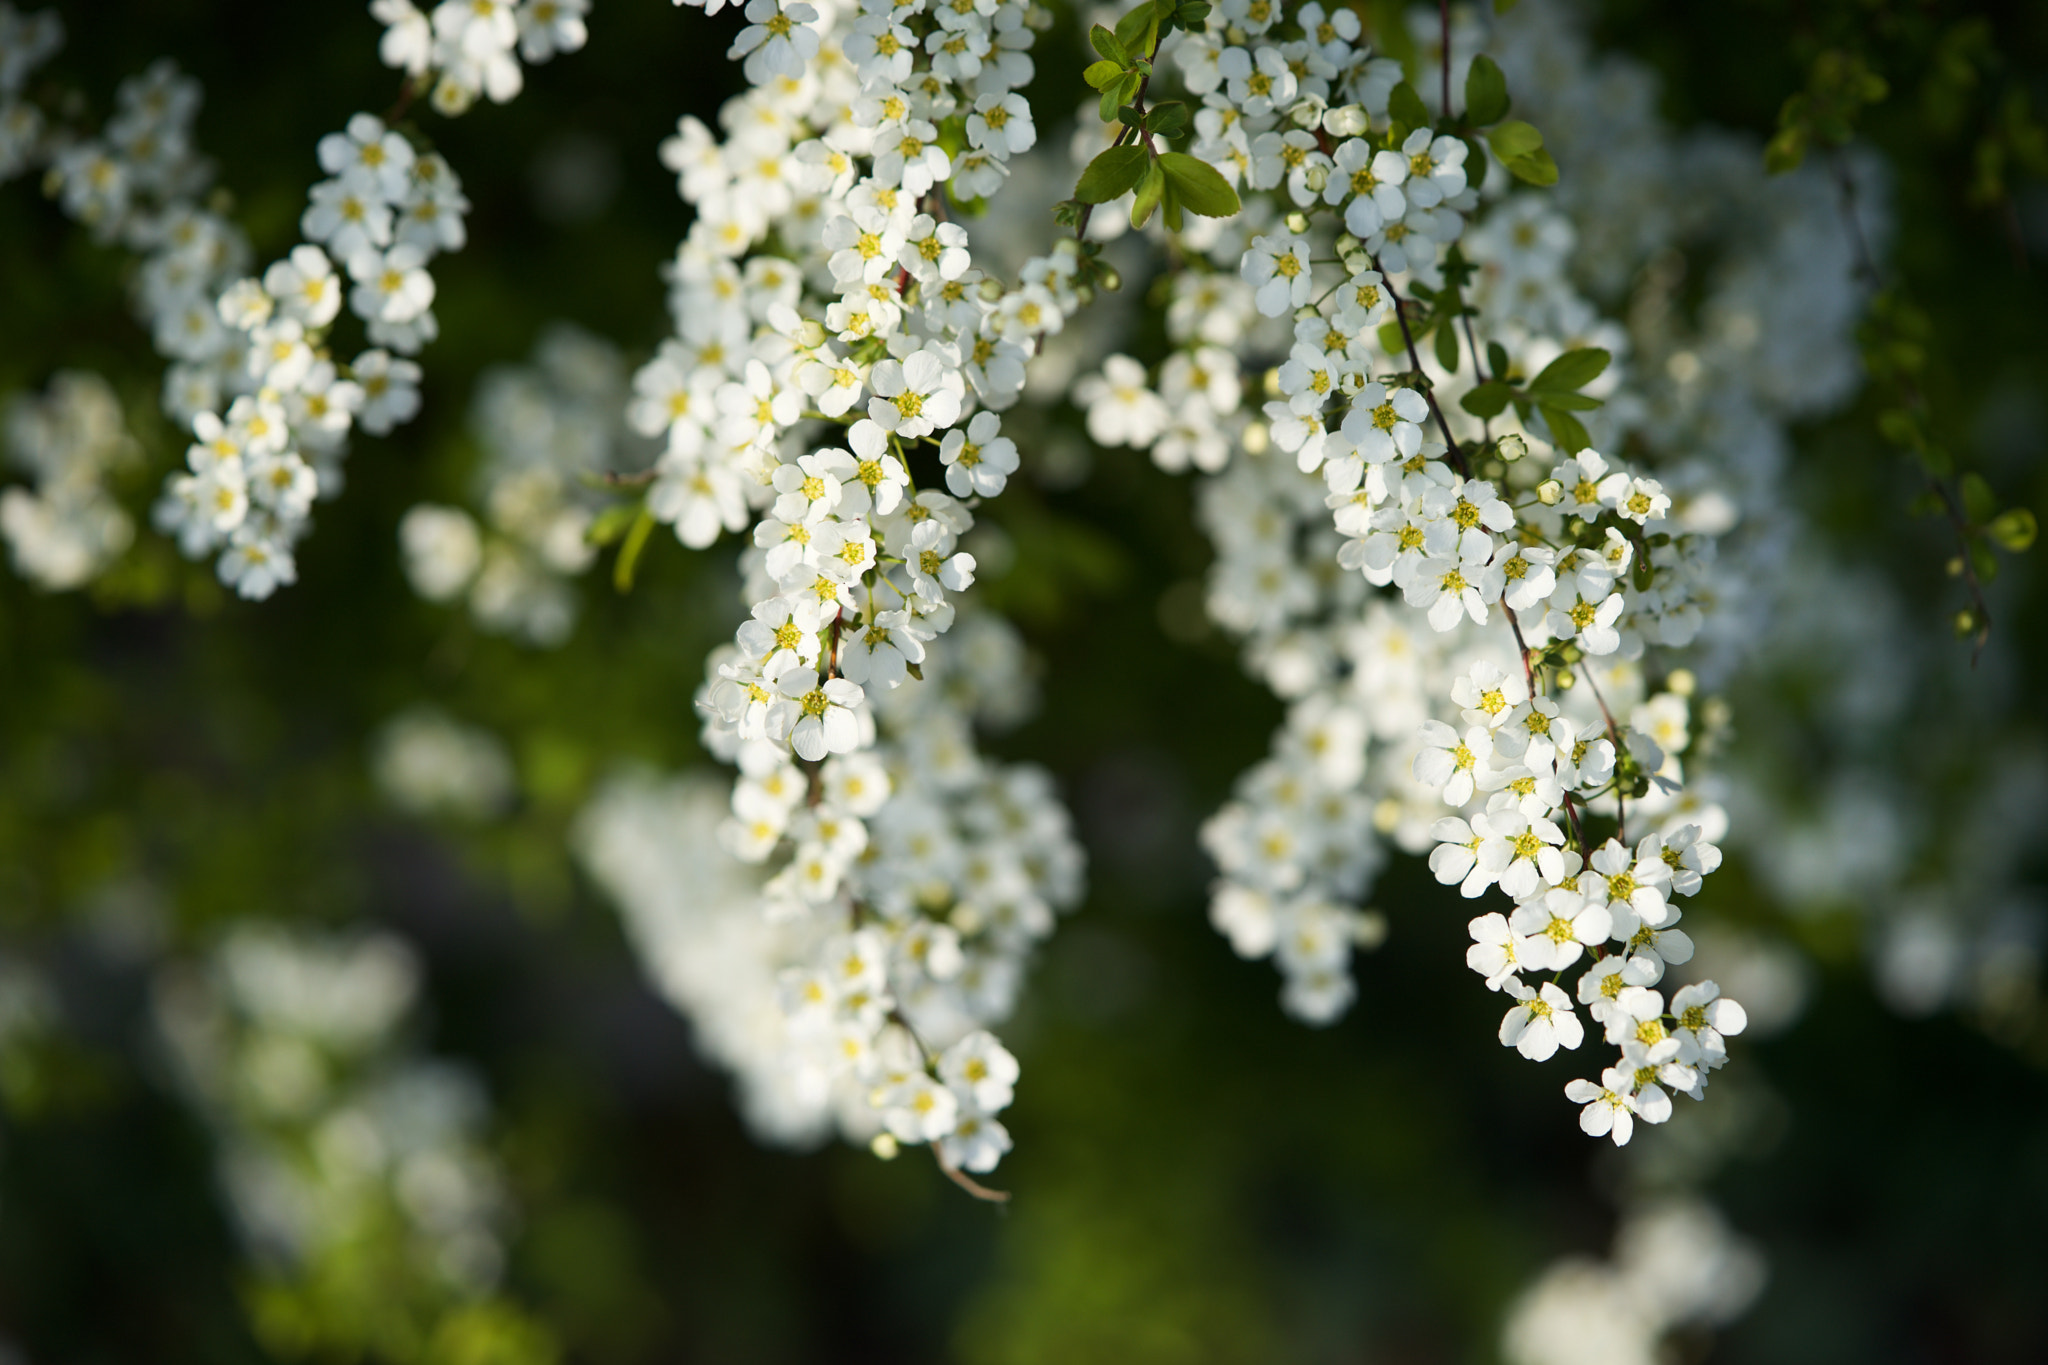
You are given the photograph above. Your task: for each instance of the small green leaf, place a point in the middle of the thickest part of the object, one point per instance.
(1129, 117)
(2014, 528)
(1497, 359)
(1392, 340)
(1200, 186)
(1897, 426)
(1978, 502)
(1167, 118)
(1983, 561)
(1565, 432)
(1537, 168)
(1514, 139)
(1487, 400)
(1571, 371)
(1111, 173)
(1447, 350)
(1170, 208)
(1151, 188)
(1139, 29)
(1569, 401)
(608, 525)
(629, 553)
(1486, 92)
(1110, 102)
(1100, 74)
(1109, 45)
(1127, 88)
(1406, 107)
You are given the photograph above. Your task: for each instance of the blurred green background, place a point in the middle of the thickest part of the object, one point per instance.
(1196, 1178)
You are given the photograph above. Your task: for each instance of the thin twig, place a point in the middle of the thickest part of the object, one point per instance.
(969, 1183)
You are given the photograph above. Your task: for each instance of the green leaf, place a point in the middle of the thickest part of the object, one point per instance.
(1201, 187)
(1514, 139)
(1109, 45)
(1170, 208)
(1111, 173)
(1565, 432)
(1129, 117)
(1503, 6)
(1392, 340)
(1488, 400)
(1569, 401)
(1477, 167)
(1537, 168)
(1405, 106)
(1978, 502)
(1167, 118)
(1486, 92)
(608, 525)
(1100, 74)
(1139, 30)
(629, 553)
(1447, 351)
(1571, 371)
(1151, 188)
(1497, 359)
(2014, 528)
(1110, 102)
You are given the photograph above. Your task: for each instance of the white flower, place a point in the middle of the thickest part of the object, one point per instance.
(305, 286)
(1002, 123)
(980, 1071)
(1563, 925)
(1451, 763)
(1278, 268)
(1541, 1022)
(1497, 951)
(1610, 1106)
(698, 497)
(815, 717)
(777, 41)
(978, 459)
(1705, 1019)
(391, 393)
(368, 158)
(1121, 409)
(391, 286)
(915, 397)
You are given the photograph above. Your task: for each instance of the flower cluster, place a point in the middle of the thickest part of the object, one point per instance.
(547, 429)
(257, 465)
(826, 286)
(70, 440)
(873, 1023)
(26, 42)
(332, 1132)
(1676, 1266)
(467, 48)
(1540, 588)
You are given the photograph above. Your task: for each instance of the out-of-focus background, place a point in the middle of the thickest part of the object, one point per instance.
(350, 811)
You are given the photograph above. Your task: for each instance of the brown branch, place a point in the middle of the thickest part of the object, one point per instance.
(969, 1183)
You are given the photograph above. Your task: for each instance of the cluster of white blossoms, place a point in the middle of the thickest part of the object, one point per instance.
(466, 48)
(1538, 597)
(548, 430)
(259, 461)
(1675, 1267)
(853, 989)
(834, 333)
(330, 1129)
(69, 440)
(254, 372)
(428, 764)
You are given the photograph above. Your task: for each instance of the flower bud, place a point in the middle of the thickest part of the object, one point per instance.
(1550, 492)
(812, 334)
(1346, 120)
(884, 1146)
(1512, 448)
(1306, 113)
(1297, 223)
(1108, 277)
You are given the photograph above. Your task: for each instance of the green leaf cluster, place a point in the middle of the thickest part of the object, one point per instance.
(1554, 394)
